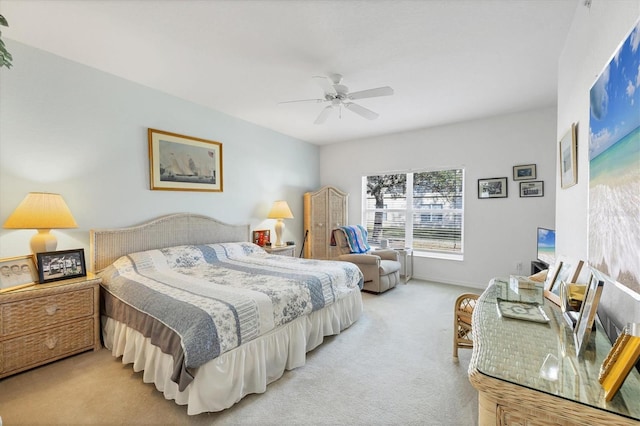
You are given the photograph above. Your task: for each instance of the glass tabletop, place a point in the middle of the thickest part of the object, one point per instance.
(542, 355)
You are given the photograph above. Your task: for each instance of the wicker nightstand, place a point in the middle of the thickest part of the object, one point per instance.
(281, 251)
(48, 322)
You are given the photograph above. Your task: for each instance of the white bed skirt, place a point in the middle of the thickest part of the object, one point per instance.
(223, 381)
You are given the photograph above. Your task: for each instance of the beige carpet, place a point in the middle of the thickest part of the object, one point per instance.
(393, 366)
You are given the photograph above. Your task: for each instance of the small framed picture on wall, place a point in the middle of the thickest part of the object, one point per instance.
(532, 189)
(492, 187)
(524, 172)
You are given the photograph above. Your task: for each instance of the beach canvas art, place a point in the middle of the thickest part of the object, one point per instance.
(614, 166)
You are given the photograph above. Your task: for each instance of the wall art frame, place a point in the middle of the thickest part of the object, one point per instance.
(569, 158)
(184, 163)
(524, 172)
(614, 160)
(61, 265)
(533, 188)
(17, 272)
(493, 187)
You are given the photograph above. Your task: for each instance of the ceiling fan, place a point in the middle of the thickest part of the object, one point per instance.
(338, 96)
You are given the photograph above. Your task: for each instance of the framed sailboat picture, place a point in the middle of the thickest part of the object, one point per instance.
(184, 163)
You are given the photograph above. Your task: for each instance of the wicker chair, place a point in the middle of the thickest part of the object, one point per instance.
(463, 334)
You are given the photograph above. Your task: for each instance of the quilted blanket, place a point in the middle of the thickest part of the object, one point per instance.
(215, 297)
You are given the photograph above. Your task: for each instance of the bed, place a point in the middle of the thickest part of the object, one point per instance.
(210, 317)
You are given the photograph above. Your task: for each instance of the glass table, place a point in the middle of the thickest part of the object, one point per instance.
(529, 371)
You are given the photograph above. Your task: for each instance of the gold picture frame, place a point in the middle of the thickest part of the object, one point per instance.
(624, 354)
(569, 158)
(17, 272)
(184, 163)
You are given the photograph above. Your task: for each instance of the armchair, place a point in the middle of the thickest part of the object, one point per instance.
(381, 268)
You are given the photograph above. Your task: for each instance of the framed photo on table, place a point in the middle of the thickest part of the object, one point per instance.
(17, 272)
(564, 270)
(262, 237)
(587, 316)
(184, 163)
(621, 358)
(493, 188)
(61, 265)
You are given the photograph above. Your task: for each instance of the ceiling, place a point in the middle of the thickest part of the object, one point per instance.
(447, 60)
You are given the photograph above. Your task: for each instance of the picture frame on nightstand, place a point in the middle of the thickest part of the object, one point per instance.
(262, 237)
(61, 265)
(17, 272)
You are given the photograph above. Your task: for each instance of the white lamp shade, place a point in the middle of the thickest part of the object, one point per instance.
(280, 210)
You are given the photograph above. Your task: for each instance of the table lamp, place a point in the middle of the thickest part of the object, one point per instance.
(280, 211)
(41, 211)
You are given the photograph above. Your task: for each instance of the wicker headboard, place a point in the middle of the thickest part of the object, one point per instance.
(107, 245)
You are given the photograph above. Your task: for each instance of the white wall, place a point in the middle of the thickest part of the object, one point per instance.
(71, 129)
(595, 34)
(499, 233)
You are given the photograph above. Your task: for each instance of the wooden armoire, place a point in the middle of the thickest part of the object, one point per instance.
(324, 210)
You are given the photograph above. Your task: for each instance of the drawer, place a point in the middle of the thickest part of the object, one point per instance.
(40, 312)
(41, 347)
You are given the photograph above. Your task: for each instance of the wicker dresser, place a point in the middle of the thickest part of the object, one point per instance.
(47, 322)
(507, 369)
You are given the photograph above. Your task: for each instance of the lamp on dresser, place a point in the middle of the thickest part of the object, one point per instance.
(42, 211)
(280, 211)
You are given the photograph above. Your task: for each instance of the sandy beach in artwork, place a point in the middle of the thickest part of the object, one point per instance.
(614, 211)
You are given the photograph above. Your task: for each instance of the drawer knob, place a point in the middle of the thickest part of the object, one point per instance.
(51, 342)
(51, 309)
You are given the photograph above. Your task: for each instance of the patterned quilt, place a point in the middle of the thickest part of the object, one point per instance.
(217, 296)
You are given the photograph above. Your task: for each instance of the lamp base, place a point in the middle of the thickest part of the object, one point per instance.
(279, 232)
(43, 241)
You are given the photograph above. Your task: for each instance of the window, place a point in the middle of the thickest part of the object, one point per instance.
(421, 210)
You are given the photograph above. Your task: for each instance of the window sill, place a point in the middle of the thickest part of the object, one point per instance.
(459, 257)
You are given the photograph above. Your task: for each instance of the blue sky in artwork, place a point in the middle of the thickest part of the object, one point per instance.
(615, 97)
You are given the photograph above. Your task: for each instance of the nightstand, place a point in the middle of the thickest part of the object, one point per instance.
(47, 322)
(281, 251)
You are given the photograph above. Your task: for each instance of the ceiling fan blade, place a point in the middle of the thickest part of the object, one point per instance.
(324, 114)
(326, 84)
(317, 101)
(362, 111)
(371, 93)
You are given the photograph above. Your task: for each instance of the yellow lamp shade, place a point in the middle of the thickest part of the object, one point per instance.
(42, 211)
(280, 210)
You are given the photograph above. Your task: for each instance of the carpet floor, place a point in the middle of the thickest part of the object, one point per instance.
(393, 366)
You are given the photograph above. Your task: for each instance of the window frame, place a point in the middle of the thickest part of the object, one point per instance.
(410, 212)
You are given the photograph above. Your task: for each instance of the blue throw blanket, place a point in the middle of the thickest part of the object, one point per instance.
(356, 238)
